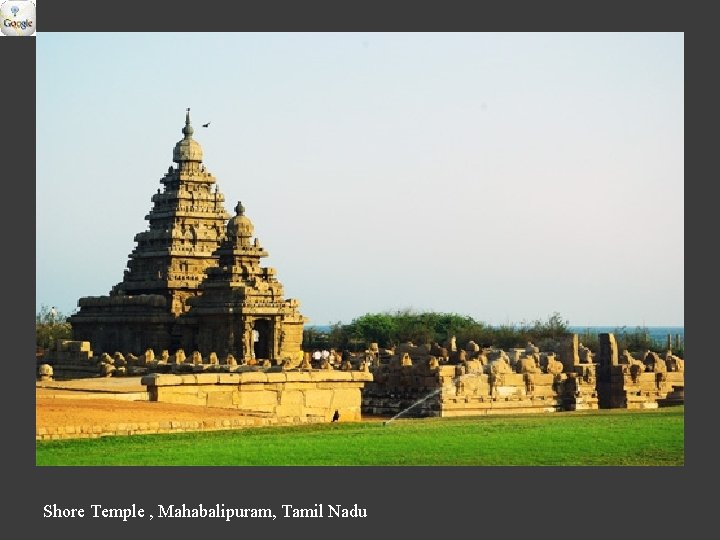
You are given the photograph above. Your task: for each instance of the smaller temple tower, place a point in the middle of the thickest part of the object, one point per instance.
(241, 309)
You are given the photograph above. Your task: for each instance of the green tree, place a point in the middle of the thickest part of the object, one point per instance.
(392, 328)
(555, 327)
(50, 325)
(408, 325)
(380, 328)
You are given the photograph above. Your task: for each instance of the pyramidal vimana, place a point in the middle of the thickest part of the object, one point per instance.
(194, 280)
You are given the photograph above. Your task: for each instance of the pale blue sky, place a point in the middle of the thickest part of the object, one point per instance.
(501, 176)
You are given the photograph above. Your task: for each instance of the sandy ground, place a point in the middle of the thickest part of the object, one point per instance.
(108, 401)
(78, 412)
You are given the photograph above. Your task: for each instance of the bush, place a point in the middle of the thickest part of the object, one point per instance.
(50, 325)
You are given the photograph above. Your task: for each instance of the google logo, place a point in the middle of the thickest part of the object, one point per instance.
(27, 23)
(17, 18)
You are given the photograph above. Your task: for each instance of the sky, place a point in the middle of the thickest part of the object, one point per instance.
(502, 176)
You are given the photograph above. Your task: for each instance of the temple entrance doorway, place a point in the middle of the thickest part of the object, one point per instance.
(262, 336)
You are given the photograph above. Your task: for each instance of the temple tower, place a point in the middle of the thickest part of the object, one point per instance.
(186, 225)
(175, 261)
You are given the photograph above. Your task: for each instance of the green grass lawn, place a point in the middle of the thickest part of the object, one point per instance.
(594, 438)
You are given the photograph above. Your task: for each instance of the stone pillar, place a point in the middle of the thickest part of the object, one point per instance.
(274, 352)
(669, 342)
(248, 345)
(677, 342)
(608, 351)
(569, 353)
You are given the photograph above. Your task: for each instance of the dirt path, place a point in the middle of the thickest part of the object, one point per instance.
(61, 412)
(120, 406)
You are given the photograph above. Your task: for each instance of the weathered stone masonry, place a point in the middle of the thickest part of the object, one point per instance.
(289, 397)
(480, 382)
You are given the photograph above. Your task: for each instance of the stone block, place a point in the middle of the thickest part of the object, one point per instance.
(334, 386)
(541, 379)
(253, 377)
(350, 415)
(317, 398)
(342, 397)
(289, 410)
(229, 378)
(215, 388)
(166, 395)
(608, 350)
(298, 376)
(259, 398)
(318, 412)
(220, 399)
(514, 379)
(447, 371)
(330, 375)
(276, 377)
(292, 398)
(302, 386)
(206, 378)
(507, 391)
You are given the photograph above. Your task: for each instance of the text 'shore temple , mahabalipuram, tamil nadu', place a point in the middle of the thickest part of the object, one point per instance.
(194, 280)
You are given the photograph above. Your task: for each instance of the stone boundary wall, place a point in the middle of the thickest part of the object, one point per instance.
(471, 382)
(69, 359)
(147, 428)
(288, 397)
(466, 390)
(80, 394)
(646, 382)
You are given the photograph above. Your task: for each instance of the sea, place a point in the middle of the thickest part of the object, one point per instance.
(657, 333)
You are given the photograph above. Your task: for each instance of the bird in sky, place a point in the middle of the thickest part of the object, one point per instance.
(206, 125)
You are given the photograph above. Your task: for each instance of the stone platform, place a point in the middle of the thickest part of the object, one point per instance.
(289, 397)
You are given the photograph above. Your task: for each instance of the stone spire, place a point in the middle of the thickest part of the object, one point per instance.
(186, 225)
(188, 129)
(239, 228)
(187, 150)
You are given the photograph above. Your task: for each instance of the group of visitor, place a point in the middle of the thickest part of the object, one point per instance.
(332, 357)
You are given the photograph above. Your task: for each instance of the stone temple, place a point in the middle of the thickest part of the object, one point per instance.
(194, 280)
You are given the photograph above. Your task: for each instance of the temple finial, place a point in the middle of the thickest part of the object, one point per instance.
(188, 129)
(239, 209)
